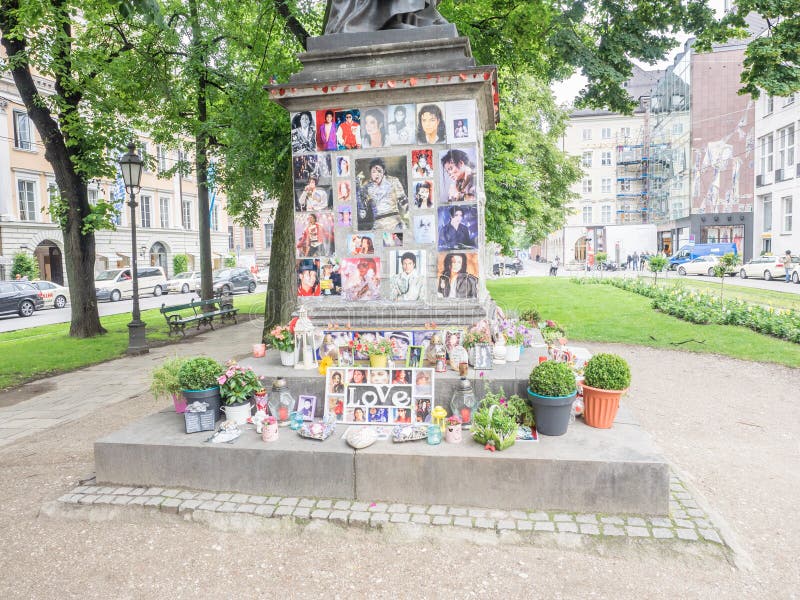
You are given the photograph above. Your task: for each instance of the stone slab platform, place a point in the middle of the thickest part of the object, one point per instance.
(587, 470)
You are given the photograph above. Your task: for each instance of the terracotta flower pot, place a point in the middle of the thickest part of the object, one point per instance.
(600, 406)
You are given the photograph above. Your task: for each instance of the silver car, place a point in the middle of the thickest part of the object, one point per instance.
(183, 283)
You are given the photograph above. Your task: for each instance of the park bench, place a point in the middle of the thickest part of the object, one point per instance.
(203, 313)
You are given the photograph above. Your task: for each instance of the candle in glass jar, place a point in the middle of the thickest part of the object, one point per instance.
(465, 415)
(283, 413)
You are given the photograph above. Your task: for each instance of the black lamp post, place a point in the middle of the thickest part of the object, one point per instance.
(130, 164)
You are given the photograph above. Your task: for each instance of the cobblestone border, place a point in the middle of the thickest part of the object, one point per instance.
(686, 521)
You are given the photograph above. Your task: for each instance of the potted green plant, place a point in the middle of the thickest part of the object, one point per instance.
(237, 386)
(378, 351)
(552, 390)
(198, 380)
(164, 383)
(494, 424)
(281, 337)
(605, 378)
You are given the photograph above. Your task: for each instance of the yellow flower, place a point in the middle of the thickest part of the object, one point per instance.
(326, 362)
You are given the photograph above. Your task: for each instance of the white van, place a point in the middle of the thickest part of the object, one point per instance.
(115, 284)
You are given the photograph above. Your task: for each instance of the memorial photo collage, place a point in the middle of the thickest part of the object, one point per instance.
(413, 206)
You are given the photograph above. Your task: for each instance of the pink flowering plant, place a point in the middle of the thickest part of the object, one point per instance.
(454, 420)
(282, 338)
(238, 384)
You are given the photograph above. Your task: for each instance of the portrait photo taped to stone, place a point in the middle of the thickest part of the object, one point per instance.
(382, 201)
(303, 135)
(358, 16)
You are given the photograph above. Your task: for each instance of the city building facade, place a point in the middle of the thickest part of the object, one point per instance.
(166, 215)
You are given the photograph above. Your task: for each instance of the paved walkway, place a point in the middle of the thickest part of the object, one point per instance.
(74, 395)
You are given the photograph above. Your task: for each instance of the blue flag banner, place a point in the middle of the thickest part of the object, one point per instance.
(212, 192)
(118, 196)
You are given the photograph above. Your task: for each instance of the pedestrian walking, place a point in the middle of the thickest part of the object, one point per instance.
(554, 266)
(635, 261)
(787, 264)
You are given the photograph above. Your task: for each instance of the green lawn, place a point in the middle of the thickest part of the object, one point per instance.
(40, 351)
(731, 290)
(603, 313)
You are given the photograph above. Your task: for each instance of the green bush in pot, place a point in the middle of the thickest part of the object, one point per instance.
(552, 378)
(607, 372)
(164, 382)
(199, 373)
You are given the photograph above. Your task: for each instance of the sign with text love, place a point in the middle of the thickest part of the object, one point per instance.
(379, 396)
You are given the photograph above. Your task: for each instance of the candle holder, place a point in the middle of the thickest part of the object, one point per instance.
(463, 401)
(439, 414)
(280, 401)
(295, 420)
(434, 435)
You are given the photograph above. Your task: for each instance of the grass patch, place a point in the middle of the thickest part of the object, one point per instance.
(773, 298)
(47, 350)
(601, 313)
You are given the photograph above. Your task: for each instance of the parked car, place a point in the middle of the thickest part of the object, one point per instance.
(263, 274)
(234, 279)
(766, 267)
(794, 274)
(116, 283)
(508, 265)
(183, 283)
(52, 293)
(691, 251)
(19, 297)
(699, 266)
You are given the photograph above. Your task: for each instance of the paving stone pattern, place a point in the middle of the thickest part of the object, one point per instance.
(687, 522)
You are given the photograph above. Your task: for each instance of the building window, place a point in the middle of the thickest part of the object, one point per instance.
(766, 155)
(248, 237)
(186, 214)
(789, 100)
(163, 211)
(587, 215)
(145, 210)
(766, 211)
(677, 128)
(587, 134)
(625, 132)
(587, 186)
(93, 195)
(23, 131)
(230, 237)
(586, 159)
(161, 155)
(268, 230)
(786, 203)
(215, 218)
(605, 158)
(624, 186)
(786, 150)
(605, 213)
(769, 104)
(605, 185)
(605, 133)
(26, 191)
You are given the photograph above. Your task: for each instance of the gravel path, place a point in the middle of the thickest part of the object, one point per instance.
(727, 425)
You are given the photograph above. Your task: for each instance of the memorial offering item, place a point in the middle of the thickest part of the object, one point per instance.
(494, 426)
(360, 437)
(552, 390)
(409, 433)
(258, 419)
(259, 350)
(317, 431)
(438, 415)
(198, 380)
(306, 405)
(499, 351)
(227, 433)
(281, 337)
(198, 417)
(458, 355)
(463, 401)
(305, 353)
(378, 350)
(452, 432)
(605, 378)
(434, 435)
(483, 356)
(295, 420)
(269, 429)
(164, 383)
(237, 384)
(280, 401)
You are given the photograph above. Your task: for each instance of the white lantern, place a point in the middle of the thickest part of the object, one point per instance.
(304, 346)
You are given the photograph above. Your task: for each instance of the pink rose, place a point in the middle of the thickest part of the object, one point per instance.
(222, 379)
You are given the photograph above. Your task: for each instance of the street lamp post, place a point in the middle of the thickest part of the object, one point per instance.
(130, 164)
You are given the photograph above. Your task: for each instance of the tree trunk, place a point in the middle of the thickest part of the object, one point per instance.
(282, 285)
(201, 158)
(79, 250)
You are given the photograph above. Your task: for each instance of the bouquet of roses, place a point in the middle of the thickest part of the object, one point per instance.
(378, 347)
(282, 338)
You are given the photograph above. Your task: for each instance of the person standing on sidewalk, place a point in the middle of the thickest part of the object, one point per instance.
(554, 267)
(787, 265)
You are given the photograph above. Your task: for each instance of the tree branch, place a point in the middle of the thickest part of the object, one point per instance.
(295, 26)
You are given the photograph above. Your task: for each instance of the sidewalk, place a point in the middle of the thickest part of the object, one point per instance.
(74, 395)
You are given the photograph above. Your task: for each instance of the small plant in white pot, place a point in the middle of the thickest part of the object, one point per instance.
(237, 387)
(605, 378)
